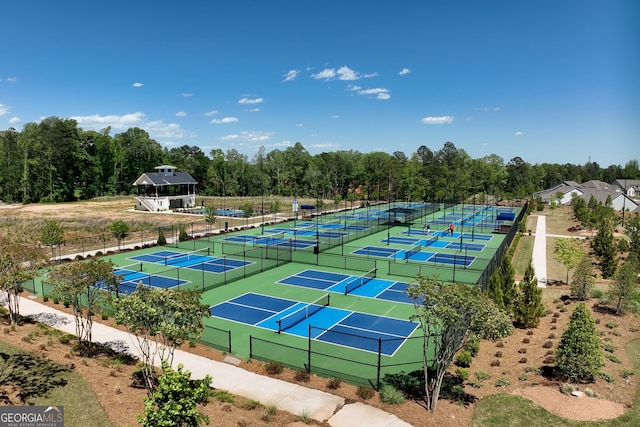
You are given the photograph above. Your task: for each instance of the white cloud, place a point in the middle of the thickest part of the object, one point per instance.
(4, 109)
(437, 120)
(519, 133)
(380, 93)
(326, 74)
(250, 101)
(181, 114)
(224, 120)
(404, 71)
(252, 110)
(335, 116)
(299, 125)
(290, 75)
(137, 84)
(155, 128)
(325, 146)
(247, 136)
(186, 95)
(346, 73)
(14, 120)
(211, 113)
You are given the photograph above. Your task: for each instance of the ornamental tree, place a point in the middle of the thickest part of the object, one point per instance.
(18, 263)
(161, 320)
(85, 286)
(583, 280)
(448, 316)
(569, 252)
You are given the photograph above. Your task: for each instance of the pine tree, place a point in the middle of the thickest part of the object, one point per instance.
(583, 280)
(624, 283)
(604, 246)
(509, 288)
(529, 307)
(494, 289)
(579, 354)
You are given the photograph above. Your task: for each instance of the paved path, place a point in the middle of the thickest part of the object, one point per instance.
(540, 251)
(293, 398)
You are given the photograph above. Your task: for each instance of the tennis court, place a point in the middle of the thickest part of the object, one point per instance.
(465, 235)
(377, 251)
(336, 326)
(196, 260)
(366, 285)
(271, 240)
(130, 279)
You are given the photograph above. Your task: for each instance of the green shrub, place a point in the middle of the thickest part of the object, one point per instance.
(482, 375)
(611, 325)
(390, 395)
(502, 382)
(626, 373)
(472, 346)
(609, 348)
(463, 359)
(462, 373)
(606, 376)
(523, 377)
(222, 396)
(365, 392)
(597, 293)
(269, 413)
(411, 384)
(613, 358)
(45, 298)
(251, 404)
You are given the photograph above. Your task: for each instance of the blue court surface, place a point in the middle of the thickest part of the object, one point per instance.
(129, 280)
(282, 242)
(437, 244)
(195, 261)
(332, 325)
(337, 282)
(456, 235)
(377, 251)
(422, 255)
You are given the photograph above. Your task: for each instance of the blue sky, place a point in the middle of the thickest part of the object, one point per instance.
(549, 81)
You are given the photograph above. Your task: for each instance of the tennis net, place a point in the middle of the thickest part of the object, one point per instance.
(431, 240)
(360, 280)
(292, 319)
(187, 257)
(411, 252)
(126, 269)
(309, 230)
(269, 239)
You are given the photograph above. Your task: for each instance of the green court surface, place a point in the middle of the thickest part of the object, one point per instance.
(272, 261)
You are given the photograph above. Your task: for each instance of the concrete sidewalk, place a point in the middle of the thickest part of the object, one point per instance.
(293, 398)
(540, 251)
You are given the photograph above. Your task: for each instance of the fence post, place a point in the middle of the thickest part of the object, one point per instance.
(250, 347)
(379, 363)
(309, 351)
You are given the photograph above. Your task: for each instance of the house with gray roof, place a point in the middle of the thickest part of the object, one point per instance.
(599, 190)
(165, 190)
(630, 186)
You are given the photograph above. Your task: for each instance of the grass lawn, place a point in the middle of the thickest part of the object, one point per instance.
(81, 407)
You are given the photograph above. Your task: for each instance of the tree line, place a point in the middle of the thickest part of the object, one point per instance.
(56, 161)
